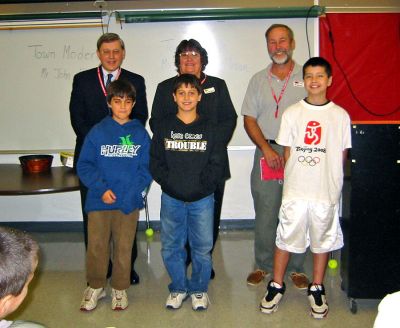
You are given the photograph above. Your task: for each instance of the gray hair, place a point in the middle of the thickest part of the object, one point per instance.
(273, 26)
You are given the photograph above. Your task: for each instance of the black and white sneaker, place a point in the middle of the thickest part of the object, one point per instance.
(319, 305)
(273, 296)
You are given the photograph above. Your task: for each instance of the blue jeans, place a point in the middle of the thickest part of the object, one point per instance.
(182, 221)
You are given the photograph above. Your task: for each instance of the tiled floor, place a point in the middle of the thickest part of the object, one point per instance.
(56, 292)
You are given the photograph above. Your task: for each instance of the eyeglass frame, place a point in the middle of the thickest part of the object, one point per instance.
(190, 53)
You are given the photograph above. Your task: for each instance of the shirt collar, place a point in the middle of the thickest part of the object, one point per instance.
(105, 74)
(296, 69)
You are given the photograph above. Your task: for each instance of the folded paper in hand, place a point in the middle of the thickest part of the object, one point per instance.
(268, 173)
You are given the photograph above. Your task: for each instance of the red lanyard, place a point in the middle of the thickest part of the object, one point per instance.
(277, 100)
(103, 87)
(203, 80)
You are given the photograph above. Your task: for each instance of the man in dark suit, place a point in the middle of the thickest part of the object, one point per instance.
(88, 104)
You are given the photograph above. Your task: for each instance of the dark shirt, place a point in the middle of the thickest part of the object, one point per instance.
(215, 106)
(88, 104)
(187, 160)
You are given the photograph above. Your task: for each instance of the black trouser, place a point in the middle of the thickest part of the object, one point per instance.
(218, 196)
(83, 192)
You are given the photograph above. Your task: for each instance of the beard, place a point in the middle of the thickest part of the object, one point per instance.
(283, 60)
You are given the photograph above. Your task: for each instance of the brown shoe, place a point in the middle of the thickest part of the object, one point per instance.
(256, 277)
(300, 280)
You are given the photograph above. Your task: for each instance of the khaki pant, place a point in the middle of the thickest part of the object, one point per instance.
(120, 229)
(267, 197)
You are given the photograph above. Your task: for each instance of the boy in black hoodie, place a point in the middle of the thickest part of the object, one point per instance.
(187, 160)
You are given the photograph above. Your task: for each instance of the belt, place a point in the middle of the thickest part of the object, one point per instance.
(273, 142)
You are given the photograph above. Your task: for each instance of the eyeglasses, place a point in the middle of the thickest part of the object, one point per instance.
(188, 54)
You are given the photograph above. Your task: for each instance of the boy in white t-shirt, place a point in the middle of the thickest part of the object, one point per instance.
(316, 135)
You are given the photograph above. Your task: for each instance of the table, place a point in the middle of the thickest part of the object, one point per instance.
(14, 182)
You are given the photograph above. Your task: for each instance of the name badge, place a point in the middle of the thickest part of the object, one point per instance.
(299, 84)
(209, 90)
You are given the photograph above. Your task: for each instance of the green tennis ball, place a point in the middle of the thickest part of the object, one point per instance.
(332, 264)
(149, 232)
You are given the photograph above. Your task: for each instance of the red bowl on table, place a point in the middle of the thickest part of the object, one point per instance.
(36, 163)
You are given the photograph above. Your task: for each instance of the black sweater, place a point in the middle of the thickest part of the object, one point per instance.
(215, 105)
(187, 160)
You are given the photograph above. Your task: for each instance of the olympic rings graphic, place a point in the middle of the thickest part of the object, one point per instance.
(308, 160)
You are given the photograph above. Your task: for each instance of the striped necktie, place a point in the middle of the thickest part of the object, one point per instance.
(109, 78)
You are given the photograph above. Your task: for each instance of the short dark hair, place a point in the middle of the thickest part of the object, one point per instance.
(187, 79)
(121, 88)
(18, 254)
(318, 61)
(192, 44)
(109, 37)
(273, 26)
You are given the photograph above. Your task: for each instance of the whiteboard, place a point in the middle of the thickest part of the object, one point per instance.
(38, 66)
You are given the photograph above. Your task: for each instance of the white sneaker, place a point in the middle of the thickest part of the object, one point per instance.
(200, 301)
(90, 298)
(175, 300)
(119, 299)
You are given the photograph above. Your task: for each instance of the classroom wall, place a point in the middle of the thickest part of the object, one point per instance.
(37, 82)
(237, 202)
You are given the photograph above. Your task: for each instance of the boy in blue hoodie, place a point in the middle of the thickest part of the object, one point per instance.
(114, 165)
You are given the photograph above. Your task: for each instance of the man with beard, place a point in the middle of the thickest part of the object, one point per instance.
(269, 93)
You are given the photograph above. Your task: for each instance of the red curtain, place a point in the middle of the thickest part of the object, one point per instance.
(365, 50)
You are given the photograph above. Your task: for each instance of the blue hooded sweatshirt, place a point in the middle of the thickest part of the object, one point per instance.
(115, 157)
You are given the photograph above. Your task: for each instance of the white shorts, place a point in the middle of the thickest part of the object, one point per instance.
(305, 223)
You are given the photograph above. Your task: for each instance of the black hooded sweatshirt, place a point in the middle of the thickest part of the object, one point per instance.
(187, 160)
